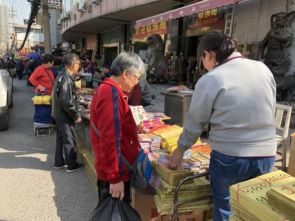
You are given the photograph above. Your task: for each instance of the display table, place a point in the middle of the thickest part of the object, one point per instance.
(84, 149)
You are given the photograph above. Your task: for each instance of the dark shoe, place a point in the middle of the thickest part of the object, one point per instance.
(73, 169)
(59, 167)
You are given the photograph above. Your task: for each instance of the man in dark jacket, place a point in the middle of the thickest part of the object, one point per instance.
(65, 113)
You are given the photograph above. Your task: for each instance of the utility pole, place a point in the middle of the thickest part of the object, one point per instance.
(46, 26)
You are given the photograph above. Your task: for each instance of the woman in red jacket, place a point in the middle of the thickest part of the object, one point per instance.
(115, 132)
(43, 78)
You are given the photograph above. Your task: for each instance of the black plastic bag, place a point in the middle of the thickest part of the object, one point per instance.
(111, 209)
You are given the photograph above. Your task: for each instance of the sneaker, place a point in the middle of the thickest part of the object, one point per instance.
(76, 168)
(59, 167)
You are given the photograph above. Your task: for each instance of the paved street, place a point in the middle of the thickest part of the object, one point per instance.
(30, 189)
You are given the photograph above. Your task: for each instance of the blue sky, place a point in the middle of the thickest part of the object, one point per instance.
(22, 9)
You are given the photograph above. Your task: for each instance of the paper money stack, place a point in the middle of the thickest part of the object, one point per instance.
(199, 188)
(250, 202)
(283, 198)
(169, 137)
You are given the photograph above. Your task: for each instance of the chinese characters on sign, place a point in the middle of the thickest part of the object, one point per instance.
(205, 21)
(145, 31)
(207, 14)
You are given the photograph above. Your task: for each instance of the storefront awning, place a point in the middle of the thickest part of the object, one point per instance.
(185, 11)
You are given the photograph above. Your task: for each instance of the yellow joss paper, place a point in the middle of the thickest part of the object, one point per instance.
(283, 198)
(251, 195)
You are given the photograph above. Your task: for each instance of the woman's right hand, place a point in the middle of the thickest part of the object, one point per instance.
(41, 88)
(117, 190)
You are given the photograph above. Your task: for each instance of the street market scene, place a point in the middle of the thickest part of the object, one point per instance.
(147, 110)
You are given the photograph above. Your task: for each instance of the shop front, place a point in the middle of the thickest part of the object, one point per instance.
(111, 42)
(184, 28)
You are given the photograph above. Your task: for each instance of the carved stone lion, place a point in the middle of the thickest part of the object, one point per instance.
(155, 58)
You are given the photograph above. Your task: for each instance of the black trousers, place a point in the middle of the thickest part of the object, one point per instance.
(65, 152)
(104, 189)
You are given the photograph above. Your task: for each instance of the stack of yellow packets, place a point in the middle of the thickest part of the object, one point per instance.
(169, 137)
(283, 198)
(249, 199)
(190, 191)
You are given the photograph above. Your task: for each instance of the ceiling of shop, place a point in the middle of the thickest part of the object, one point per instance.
(109, 21)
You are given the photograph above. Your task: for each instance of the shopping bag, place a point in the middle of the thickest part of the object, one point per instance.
(140, 171)
(41, 98)
(111, 209)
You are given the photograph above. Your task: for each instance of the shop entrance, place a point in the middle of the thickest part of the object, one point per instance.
(110, 52)
(109, 55)
(192, 59)
(191, 46)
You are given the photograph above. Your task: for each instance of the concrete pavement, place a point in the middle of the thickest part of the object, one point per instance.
(30, 189)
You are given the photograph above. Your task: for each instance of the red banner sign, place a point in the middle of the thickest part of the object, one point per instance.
(197, 7)
(145, 31)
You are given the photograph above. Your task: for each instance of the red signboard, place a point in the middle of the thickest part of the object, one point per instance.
(145, 31)
(205, 21)
(197, 7)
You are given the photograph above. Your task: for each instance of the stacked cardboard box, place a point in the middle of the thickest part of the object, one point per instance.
(249, 199)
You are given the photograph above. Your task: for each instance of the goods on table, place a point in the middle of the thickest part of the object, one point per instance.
(170, 136)
(148, 122)
(249, 199)
(283, 198)
(149, 142)
(198, 157)
(84, 99)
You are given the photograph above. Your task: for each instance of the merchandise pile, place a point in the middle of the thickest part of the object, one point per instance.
(146, 121)
(267, 197)
(198, 157)
(197, 194)
(283, 198)
(169, 137)
(84, 99)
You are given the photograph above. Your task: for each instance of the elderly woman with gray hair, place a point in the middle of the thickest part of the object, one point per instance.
(113, 130)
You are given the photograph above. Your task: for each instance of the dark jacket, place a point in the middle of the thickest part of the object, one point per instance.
(64, 98)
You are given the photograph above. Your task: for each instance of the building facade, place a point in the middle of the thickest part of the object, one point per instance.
(5, 30)
(35, 37)
(104, 28)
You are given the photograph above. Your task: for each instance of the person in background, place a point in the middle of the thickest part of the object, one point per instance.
(141, 94)
(89, 66)
(43, 78)
(113, 130)
(65, 114)
(31, 65)
(237, 97)
(57, 66)
(19, 68)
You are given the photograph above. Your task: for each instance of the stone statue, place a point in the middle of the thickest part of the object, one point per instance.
(276, 51)
(276, 41)
(190, 70)
(156, 70)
